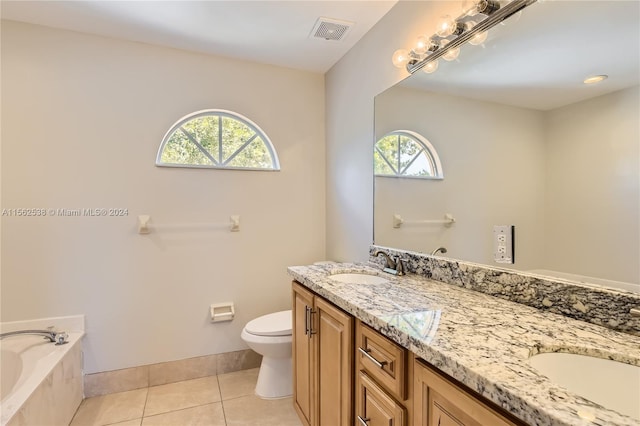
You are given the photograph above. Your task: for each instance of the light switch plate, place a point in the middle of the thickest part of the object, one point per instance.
(503, 239)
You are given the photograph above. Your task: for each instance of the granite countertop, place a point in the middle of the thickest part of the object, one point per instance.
(480, 340)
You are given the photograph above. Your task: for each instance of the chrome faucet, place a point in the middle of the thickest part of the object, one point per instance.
(439, 250)
(393, 267)
(57, 337)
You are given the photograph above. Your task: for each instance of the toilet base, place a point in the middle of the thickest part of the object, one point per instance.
(275, 379)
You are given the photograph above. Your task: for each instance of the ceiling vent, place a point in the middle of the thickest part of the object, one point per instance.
(330, 29)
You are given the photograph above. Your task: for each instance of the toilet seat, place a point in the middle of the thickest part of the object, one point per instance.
(275, 324)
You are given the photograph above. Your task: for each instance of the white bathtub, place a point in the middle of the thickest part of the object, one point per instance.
(41, 383)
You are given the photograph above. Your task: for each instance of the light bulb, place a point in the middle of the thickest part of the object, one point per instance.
(479, 38)
(400, 58)
(452, 54)
(446, 27)
(422, 44)
(430, 67)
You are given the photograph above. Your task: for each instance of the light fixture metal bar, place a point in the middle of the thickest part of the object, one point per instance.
(482, 26)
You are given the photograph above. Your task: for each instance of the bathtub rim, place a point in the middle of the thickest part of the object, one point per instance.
(67, 323)
(73, 325)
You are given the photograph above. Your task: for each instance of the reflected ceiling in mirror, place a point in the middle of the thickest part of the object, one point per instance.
(540, 58)
(526, 143)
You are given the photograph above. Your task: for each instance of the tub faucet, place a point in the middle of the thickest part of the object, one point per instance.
(393, 267)
(57, 337)
(439, 250)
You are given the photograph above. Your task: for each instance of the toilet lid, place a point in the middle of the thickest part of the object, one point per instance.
(276, 324)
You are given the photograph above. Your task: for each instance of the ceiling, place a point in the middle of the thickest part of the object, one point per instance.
(271, 32)
(540, 58)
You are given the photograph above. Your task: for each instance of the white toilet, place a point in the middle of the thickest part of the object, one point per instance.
(270, 336)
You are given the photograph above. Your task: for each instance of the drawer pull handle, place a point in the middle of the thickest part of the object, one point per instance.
(306, 320)
(311, 312)
(363, 422)
(366, 353)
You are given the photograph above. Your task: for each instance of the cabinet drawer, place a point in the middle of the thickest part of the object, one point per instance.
(383, 360)
(374, 407)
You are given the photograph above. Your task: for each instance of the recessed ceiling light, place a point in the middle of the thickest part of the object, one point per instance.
(595, 79)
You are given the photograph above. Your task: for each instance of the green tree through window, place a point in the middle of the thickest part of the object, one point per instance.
(403, 153)
(217, 139)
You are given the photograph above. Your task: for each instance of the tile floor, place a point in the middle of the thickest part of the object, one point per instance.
(223, 400)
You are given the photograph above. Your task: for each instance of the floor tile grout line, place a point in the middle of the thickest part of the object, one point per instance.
(181, 409)
(144, 407)
(224, 414)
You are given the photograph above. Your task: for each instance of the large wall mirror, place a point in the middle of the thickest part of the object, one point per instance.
(523, 141)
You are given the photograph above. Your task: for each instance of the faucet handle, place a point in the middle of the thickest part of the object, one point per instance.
(400, 266)
(62, 338)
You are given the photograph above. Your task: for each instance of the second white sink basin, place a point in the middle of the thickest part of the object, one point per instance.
(612, 384)
(355, 278)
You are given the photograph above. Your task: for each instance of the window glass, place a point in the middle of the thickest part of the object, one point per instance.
(404, 153)
(217, 139)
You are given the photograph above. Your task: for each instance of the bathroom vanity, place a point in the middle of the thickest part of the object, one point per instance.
(413, 351)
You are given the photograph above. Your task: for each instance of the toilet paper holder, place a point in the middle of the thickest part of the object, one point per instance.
(222, 312)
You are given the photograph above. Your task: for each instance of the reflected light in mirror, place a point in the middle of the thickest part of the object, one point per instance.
(478, 38)
(451, 55)
(430, 67)
(595, 79)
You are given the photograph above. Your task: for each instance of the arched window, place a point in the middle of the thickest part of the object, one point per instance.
(217, 139)
(403, 153)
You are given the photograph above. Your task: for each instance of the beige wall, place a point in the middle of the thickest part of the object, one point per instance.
(365, 71)
(82, 119)
(600, 192)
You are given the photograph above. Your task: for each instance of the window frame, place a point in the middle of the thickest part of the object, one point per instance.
(219, 113)
(429, 151)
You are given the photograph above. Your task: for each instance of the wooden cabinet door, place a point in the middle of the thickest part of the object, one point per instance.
(302, 356)
(440, 417)
(333, 338)
(438, 401)
(374, 407)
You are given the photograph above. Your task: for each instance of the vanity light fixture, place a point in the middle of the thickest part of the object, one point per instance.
(477, 17)
(595, 79)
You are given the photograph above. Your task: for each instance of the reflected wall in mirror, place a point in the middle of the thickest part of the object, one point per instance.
(525, 142)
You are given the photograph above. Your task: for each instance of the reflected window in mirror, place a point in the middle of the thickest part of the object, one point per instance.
(403, 153)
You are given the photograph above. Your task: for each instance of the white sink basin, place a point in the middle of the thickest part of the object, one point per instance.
(612, 384)
(356, 278)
